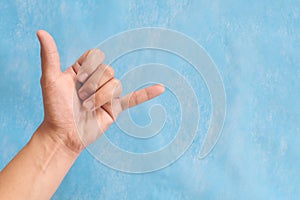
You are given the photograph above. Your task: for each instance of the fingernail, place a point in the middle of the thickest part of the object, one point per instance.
(82, 77)
(88, 104)
(83, 95)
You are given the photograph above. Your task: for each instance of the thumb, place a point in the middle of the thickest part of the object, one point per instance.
(49, 57)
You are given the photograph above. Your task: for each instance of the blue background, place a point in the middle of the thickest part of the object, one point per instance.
(256, 47)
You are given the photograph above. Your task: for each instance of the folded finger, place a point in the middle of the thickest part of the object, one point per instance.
(103, 74)
(89, 63)
(103, 95)
(79, 61)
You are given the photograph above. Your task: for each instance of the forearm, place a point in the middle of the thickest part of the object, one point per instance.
(37, 170)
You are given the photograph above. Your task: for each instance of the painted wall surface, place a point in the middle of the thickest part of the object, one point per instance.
(255, 45)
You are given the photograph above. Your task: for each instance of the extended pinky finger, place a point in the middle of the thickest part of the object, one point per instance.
(142, 95)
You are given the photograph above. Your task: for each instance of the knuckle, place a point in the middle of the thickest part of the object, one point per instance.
(45, 81)
(134, 98)
(97, 52)
(42, 81)
(116, 81)
(110, 71)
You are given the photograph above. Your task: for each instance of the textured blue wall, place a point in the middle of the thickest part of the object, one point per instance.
(256, 47)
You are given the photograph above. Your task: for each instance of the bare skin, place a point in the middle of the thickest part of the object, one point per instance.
(79, 106)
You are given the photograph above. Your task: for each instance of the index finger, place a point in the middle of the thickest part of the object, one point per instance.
(140, 96)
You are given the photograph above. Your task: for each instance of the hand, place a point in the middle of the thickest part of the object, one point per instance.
(84, 100)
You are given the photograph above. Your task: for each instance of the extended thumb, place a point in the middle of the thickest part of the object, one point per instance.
(49, 56)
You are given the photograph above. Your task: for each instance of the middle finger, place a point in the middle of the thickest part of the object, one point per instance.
(103, 74)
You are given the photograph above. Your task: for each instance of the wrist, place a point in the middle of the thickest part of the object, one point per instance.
(51, 138)
(44, 162)
(38, 169)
